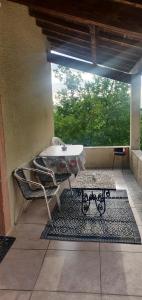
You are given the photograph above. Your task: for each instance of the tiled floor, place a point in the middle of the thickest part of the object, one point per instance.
(38, 269)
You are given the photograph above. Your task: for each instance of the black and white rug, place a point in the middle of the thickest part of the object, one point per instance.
(5, 244)
(117, 225)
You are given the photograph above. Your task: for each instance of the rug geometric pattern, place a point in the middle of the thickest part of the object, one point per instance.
(117, 225)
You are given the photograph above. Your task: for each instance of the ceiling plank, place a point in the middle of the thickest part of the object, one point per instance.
(124, 51)
(59, 45)
(73, 53)
(119, 19)
(53, 20)
(65, 37)
(64, 41)
(90, 68)
(125, 67)
(63, 29)
(108, 54)
(136, 4)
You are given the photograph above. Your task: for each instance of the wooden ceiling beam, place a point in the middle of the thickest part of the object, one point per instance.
(88, 57)
(116, 48)
(113, 50)
(108, 55)
(120, 20)
(120, 41)
(90, 68)
(72, 53)
(63, 30)
(136, 4)
(54, 21)
(71, 48)
(65, 37)
(64, 41)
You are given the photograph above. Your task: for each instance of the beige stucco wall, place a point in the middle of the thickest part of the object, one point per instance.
(25, 89)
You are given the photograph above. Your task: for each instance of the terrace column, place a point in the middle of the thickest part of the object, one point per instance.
(135, 112)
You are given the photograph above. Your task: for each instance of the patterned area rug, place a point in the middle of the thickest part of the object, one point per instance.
(5, 244)
(117, 225)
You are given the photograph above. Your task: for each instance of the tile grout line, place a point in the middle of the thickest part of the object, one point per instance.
(39, 270)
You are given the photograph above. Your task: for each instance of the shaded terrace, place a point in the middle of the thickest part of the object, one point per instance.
(107, 37)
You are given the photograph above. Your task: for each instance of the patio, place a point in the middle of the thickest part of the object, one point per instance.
(30, 32)
(41, 269)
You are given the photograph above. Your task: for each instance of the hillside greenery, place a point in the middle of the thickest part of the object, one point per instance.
(92, 113)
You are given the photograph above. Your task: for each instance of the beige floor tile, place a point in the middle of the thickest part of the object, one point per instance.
(28, 237)
(35, 213)
(120, 247)
(14, 295)
(121, 273)
(70, 271)
(113, 297)
(79, 246)
(20, 268)
(63, 296)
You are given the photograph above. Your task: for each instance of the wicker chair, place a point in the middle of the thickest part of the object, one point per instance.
(33, 190)
(40, 162)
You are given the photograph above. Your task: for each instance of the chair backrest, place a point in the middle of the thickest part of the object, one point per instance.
(40, 163)
(57, 141)
(22, 182)
(119, 151)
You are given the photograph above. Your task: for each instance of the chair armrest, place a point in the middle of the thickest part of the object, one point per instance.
(27, 180)
(43, 172)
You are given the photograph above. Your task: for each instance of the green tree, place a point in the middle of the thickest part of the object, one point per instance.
(93, 113)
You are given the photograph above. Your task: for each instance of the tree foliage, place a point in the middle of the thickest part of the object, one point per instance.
(93, 113)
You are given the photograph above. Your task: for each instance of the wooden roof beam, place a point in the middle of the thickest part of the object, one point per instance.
(113, 50)
(120, 41)
(64, 36)
(72, 53)
(63, 29)
(54, 21)
(71, 48)
(64, 41)
(103, 60)
(77, 47)
(92, 13)
(136, 4)
(90, 68)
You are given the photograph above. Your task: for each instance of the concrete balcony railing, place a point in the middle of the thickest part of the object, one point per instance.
(136, 165)
(102, 157)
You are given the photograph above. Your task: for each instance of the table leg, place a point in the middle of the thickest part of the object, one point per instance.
(100, 201)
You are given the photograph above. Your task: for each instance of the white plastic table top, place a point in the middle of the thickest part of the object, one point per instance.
(56, 151)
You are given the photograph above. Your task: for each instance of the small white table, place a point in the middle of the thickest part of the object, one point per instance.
(56, 151)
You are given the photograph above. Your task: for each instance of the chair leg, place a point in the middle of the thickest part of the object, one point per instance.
(48, 209)
(70, 186)
(58, 201)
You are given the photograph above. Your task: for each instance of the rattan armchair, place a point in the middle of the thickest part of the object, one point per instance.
(40, 162)
(32, 189)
